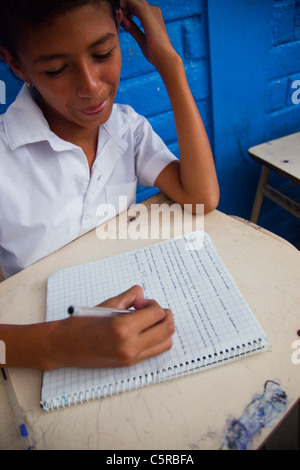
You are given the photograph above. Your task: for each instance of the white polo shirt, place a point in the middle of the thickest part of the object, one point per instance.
(48, 196)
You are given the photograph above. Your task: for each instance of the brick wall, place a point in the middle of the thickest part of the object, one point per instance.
(282, 115)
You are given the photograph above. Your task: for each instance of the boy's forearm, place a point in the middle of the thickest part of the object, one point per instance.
(196, 160)
(27, 346)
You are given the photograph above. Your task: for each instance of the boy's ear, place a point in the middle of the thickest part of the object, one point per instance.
(13, 64)
(119, 17)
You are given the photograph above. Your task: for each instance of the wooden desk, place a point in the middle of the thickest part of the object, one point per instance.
(187, 413)
(282, 156)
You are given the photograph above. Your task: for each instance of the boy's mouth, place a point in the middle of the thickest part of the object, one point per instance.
(95, 109)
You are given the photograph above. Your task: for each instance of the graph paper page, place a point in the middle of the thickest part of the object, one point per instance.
(211, 315)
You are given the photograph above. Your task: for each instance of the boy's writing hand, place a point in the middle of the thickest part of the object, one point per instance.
(119, 341)
(155, 42)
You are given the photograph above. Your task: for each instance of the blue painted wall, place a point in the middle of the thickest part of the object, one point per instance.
(241, 58)
(255, 51)
(239, 44)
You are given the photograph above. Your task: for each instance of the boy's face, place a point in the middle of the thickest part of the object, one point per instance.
(75, 64)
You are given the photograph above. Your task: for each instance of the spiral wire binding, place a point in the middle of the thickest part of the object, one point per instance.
(163, 375)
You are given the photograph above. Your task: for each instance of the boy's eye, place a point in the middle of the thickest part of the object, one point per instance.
(100, 57)
(55, 73)
(103, 56)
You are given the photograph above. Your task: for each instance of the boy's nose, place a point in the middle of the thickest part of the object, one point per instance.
(89, 82)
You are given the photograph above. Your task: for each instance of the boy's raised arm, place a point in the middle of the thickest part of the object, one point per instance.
(193, 180)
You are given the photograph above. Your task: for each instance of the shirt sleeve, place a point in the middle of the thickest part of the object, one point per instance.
(151, 153)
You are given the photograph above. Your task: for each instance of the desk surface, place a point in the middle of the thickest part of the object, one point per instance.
(186, 413)
(281, 155)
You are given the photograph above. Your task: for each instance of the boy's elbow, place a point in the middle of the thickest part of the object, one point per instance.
(206, 204)
(212, 198)
(212, 202)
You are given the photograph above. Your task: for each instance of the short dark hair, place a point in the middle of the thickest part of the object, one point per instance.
(18, 15)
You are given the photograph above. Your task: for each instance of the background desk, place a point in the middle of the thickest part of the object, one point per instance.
(187, 413)
(282, 156)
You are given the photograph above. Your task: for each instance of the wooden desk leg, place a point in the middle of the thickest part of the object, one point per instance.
(259, 196)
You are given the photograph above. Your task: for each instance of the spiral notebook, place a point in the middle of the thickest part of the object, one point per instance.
(214, 324)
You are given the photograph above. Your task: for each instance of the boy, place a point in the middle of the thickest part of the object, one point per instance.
(66, 148)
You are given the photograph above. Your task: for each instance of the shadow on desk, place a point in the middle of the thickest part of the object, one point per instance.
(287, 436)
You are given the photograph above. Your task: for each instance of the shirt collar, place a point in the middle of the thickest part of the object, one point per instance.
(116, 127)
(25, 123)
(111, 145)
